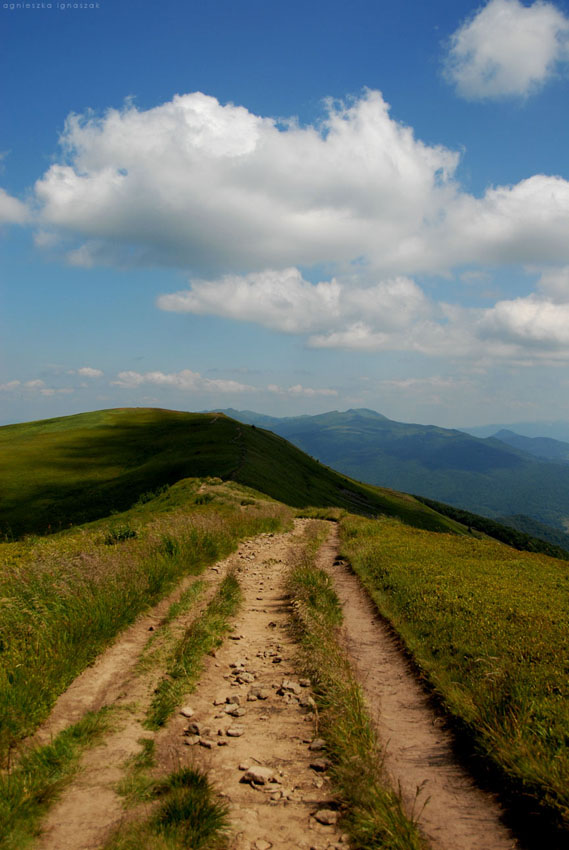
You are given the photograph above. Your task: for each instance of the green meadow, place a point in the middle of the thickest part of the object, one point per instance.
(488, 628)
(64, 597)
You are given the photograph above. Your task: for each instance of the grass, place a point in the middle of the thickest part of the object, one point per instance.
(373, 815)
(488, 626)
(185, 815)
(65, 597)
(28, 790)
(137, 786)
(61, 472)
(186, 661)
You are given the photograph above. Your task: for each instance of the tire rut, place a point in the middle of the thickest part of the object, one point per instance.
(457, 815)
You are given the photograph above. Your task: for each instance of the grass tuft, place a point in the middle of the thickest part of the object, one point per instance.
(28, 790)
(186, 816)
(186, 660)
(373, 815)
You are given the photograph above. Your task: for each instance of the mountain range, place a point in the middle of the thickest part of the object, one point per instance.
(517, 480)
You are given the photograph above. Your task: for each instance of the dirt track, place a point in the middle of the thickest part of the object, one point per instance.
(274, 730)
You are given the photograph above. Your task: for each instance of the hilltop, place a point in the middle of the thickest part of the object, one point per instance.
(73, 469)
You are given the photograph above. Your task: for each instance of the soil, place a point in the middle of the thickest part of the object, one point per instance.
(419, 756)
(276, 729)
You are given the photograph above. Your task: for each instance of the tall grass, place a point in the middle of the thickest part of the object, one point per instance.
(28, 790)
(373, 816)
(186, 663)
(64, 598)
(489, 626)
(186, 816)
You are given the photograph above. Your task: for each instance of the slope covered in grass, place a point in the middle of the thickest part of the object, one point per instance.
(485, 476)
(488, 627)
(63, 598)
(60, 472)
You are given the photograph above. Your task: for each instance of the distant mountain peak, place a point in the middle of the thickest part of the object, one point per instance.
(366, 411)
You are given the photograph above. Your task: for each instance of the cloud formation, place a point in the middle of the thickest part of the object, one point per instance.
(12, 211)
(507, 49)
(218, 190)
(282, 300)
(184, 380)
(189, 381)
(391, 315)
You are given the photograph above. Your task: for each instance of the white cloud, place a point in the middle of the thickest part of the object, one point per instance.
(298, 390)
(189, 381)
(219, 190)
(89, 372)
(185, 380)
(35, 386)
(507, 49)
(531, 321)
(554, 283)
(12, 211)
(392, 315)
(284, 301)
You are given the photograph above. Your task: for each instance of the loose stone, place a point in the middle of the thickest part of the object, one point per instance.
(328, 817)
(259, 775)
(235, 732)
(186, 711)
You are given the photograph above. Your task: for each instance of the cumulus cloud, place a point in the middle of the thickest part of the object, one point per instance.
(530, 322)
(299, 391)
(12, 211)
(284, 301)
(217, 189)
(185, 380)
(507, 49)
(189, 381)
(88, 372)
(392, 315)
(35, 386)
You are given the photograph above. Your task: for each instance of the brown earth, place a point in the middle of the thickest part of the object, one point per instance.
(271, 723)
(418, 750)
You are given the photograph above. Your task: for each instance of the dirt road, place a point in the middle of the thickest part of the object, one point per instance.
(252, 710)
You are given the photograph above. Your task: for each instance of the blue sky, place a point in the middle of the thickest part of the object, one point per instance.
(288, 207)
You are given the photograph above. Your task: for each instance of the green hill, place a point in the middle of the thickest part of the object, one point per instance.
(485, 476)
(60, 472)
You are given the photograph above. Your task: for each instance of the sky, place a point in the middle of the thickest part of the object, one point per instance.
(286, 207)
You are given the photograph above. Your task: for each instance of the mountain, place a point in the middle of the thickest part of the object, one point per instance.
(543, 447)
(69, 470)
(485, 476)
(554, 430)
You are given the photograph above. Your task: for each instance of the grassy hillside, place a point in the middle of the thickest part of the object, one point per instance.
(66, 596)
(485, 476)
(60, 472)
(488, 627)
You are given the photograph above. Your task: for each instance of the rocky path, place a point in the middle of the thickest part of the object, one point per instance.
(251, 726)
